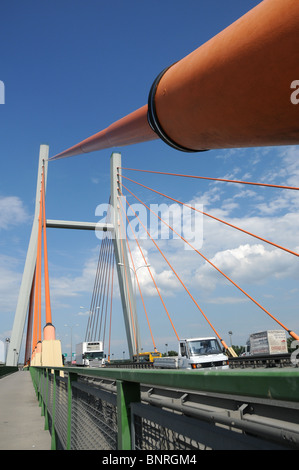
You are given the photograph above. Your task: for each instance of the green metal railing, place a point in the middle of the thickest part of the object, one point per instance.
(70, 406)
(5, 370)
(103, 408)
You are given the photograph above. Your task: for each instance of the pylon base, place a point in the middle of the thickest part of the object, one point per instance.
(51, 353)
(38, 359)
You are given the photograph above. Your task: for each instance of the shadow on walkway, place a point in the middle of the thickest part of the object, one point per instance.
(21, 423)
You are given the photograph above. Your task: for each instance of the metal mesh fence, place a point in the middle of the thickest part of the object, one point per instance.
(152, 436)
(61, 410)
(50, 394)
(157, 429)
(86, 416)
(94, 418)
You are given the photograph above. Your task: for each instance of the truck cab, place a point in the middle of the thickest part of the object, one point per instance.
(201, 353)
(90, 354)
(94, 359)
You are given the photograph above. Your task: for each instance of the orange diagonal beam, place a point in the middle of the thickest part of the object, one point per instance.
(46, 267)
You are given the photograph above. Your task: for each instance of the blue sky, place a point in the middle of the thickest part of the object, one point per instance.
(71, 68)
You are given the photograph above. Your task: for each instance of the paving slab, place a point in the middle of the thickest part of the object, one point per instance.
(21, 423)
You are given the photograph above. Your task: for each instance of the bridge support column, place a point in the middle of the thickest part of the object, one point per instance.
(26, 284)
(122, 263)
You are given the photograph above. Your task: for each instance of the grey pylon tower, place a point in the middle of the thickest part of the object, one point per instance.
(28, 273)
(120, 250)
(121, 258)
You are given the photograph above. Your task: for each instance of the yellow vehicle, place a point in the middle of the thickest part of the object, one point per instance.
(146, 356)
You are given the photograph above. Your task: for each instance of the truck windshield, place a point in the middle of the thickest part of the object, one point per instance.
(94, 355)
(206, 346)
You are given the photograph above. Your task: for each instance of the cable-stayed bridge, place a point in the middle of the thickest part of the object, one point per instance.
(153, 409)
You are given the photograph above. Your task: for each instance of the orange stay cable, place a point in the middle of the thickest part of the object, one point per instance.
(46, 269)
(215, 179)
(180, 280)
(157, 289)
(291, 333)
(135, 272)
(215, 218)
(37, 293)
(39, 338)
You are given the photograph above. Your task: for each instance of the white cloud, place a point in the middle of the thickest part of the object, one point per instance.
(12, 212)
(164, 277)
(225, 300)
(10, 280)
(248, 264)
(68, 286)
(271, 214)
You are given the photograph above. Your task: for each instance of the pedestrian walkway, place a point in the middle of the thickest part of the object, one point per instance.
(21, 423)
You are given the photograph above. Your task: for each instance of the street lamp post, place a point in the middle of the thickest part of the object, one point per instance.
(135, 274)
(7, 340)
(71, 327)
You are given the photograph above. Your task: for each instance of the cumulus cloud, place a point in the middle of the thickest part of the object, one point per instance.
(10, 280)
(251, 264)
(271, 215)
(12, 212)
(69, 286)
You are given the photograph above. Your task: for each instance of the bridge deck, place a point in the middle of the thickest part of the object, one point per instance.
(21, 423)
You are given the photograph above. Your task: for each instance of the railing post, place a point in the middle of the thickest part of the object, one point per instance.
(46, 394)
(53, 432)
(71, 378)
(39, 388)
(42, 375)
(127, 393)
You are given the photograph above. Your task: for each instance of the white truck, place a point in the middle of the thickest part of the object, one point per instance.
(195, 353)
(268, 342)
(90, 354)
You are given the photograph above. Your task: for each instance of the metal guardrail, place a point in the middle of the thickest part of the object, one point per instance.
(130, 365)
(6, 370)
(153, 410)
(262, 360)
